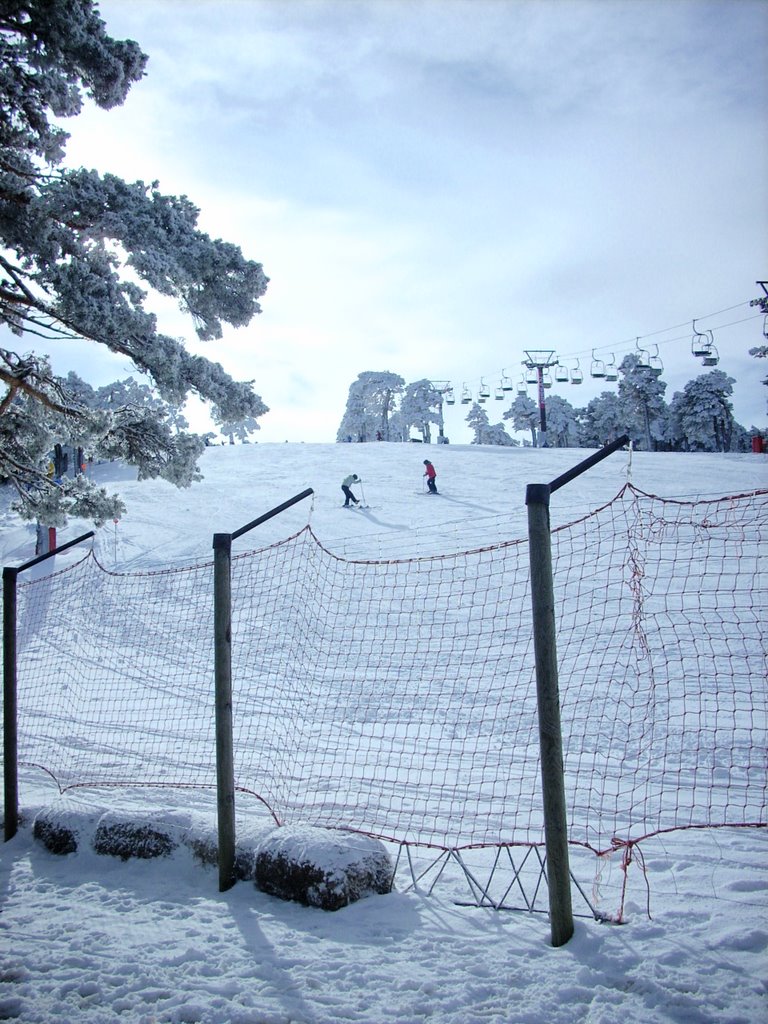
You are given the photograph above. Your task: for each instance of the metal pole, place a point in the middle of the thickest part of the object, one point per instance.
(225, 765)
(222, 642)
(588, 463)
(10, 685)
(542, 406)
(268, 515)
(10, 734)
(550, 734)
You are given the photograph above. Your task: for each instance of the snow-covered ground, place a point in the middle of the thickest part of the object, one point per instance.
(91, 938)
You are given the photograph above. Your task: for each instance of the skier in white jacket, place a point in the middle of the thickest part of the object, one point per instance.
(346, 488)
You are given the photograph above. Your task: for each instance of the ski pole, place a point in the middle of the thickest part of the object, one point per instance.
(362, 493)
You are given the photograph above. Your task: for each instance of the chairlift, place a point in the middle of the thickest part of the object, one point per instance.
(484, 392)
(711, 358)
(466, 395)
(701, 343)
(577, 377)
(522, 388)
(499, 394)
(561, 373)
(450, 397)
(532, 376)
(597, 369)
(656, 364)
(611, 370)
(506, 382)
(642, 356)
(546, 379)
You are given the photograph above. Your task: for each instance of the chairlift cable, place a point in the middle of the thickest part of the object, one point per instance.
(485, 392)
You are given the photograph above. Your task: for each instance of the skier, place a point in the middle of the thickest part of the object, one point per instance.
(346, 485)
(430, 474)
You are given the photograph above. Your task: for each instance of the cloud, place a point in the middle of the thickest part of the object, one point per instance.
(433, 187)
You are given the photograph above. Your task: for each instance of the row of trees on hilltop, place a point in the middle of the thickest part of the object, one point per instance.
(76, 249)
(381, 407)
(698, 418)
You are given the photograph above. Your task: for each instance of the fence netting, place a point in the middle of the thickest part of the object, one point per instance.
(398, 697)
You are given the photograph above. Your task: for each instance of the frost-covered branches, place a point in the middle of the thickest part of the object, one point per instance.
(52, 51)
(125, 420)
(77, 249)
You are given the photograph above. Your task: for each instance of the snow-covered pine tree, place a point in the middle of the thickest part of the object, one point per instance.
(485, 432)
(601, 421)
(562, 422)
(641, 396)
(72, 243)
(525, 415)
(702, 414)
(420, 406)
(372, 400)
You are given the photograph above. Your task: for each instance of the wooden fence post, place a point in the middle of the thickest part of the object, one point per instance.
(548, 697)
(225, 764)
(10, 735)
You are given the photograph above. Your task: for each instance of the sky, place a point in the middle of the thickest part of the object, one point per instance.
(93, 939)
(436, 188)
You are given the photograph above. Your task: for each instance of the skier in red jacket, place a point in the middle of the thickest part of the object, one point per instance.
(430, 474)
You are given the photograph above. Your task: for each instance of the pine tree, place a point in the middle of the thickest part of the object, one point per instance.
(641, 397)
(601, 421)
(562, 422)
(525, 415)
(485, 432)
(702, 414)
(372, 400)
(420, 406)
(72, 245)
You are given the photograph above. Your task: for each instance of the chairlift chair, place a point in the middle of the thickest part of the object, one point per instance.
(711, 358)
(577, 377)
(532, 376)
(522, 388)
(611, 370)
(506, 382)
(450, 397)
(466, 395)
(656, 365)
(484, 392)
(597, 369)
(546, 379)
(642, 356)
(701, 343)
(499, 394)
(561, 373)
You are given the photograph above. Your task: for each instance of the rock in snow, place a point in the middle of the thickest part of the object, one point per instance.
(321, 867)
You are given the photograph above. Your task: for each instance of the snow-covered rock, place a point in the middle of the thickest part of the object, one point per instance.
(322, 867)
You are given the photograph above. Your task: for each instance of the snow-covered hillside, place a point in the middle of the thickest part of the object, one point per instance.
(88, 938)
(481, 498)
